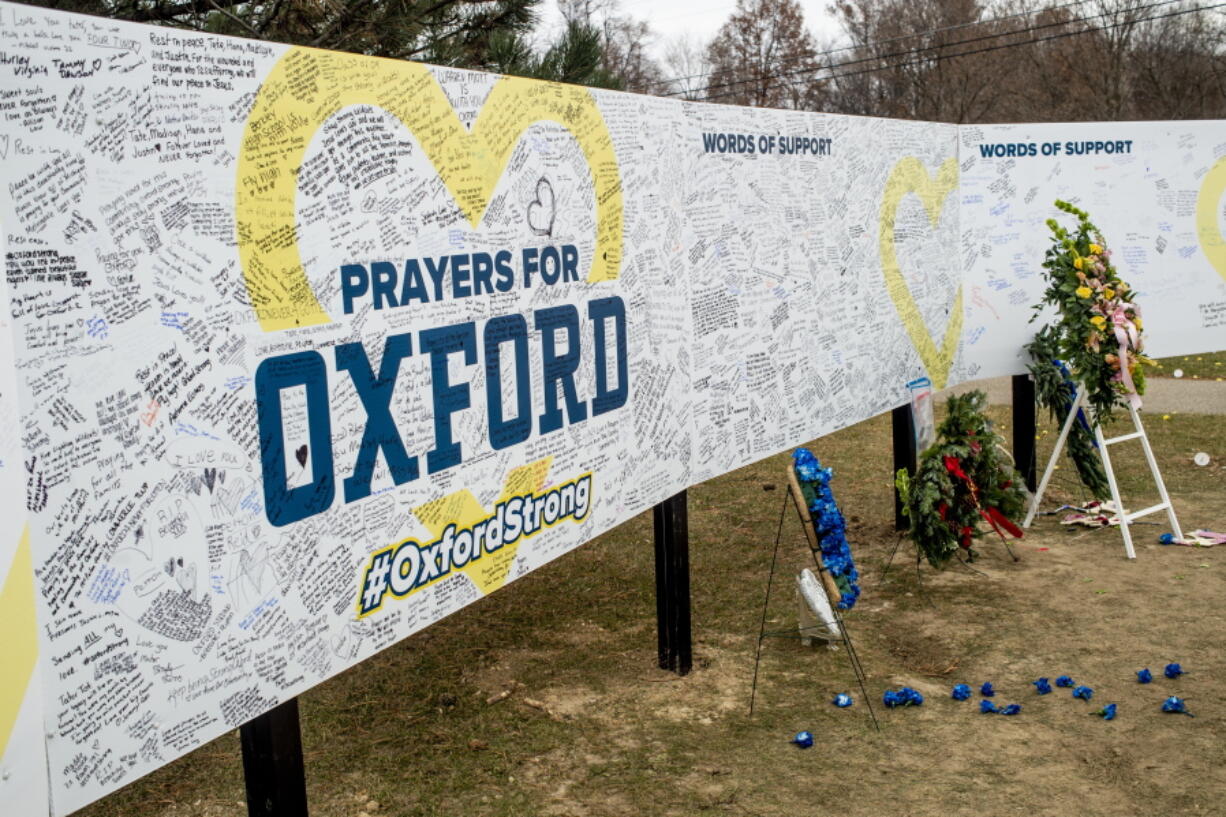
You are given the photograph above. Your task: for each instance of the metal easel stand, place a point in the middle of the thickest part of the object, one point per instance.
(805, 633)
(1079, 402)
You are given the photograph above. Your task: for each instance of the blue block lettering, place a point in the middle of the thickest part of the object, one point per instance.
(503, 432)
(381, 432)
(282, 504)
(354, 282)
(559, 368)
(607, 399)
(448, 399)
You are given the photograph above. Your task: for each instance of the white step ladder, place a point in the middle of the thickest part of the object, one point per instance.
(1103, 443)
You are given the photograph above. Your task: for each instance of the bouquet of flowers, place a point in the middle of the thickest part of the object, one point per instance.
(1098, 333)
(963, 480)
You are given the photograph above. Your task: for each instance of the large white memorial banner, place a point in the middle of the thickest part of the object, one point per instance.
(1156, 189)
(312, 350)
(306, 351)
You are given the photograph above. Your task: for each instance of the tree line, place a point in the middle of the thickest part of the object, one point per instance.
(968, 61)
(959, 61)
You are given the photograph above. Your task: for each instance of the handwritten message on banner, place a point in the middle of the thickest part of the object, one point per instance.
(304, 351)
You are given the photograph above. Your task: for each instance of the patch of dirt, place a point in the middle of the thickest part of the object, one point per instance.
(929, 655)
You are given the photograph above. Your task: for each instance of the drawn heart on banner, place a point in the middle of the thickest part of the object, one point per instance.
(307, 87)
(910, 176)
(1212, 240)
(542, 211)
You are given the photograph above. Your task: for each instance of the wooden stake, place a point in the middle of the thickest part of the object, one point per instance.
(806, 522)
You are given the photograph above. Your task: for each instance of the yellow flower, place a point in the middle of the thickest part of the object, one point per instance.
(1099, 321)
(1095, 249)
(1077, 263)
(1108, 293)
(1084, 292)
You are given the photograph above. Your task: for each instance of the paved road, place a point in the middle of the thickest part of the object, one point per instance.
(1162, 395)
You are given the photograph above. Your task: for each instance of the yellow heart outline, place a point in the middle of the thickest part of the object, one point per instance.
(910, 176)
(1212, 241)
(307, 86)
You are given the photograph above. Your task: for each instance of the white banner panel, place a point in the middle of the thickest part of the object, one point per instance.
(311, 350)
(1155, 189)
(23, 764)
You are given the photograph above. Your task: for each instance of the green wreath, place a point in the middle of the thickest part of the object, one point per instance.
(964, 487)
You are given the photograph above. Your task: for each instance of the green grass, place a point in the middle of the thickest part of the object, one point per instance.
(591, 727)
(1211, 366)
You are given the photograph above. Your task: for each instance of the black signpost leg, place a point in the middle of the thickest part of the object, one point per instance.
(1024, 428)
(673, 584)
(272, 763)
(904, 455)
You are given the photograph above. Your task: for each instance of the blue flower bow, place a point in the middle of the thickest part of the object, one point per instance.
(988, 708)
(842, 700)
(1042, 686)
(1064, 681)
(1083, 692)
(803, 739)
(1144, 676)
(986, 690)
(903, 697)
(961, 692)
(1011, 709)
(1107, 712)
(1172, 671)
(1173, 704)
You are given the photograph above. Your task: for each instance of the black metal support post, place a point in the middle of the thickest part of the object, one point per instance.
(1024, 428)
(673, 583)
(904, 455)
(272, 763)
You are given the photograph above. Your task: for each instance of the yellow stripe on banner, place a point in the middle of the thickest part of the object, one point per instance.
(1212, 239)
(18, 637)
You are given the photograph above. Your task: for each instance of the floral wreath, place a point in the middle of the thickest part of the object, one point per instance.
(828, 524)
(962, 480)
(1098, 333)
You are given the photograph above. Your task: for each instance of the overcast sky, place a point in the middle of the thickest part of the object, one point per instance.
(699, 18)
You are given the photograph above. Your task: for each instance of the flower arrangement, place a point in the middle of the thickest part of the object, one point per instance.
(1055, 390)
(828, 524)
(902, 697)
(963, 480)
(1099, 329)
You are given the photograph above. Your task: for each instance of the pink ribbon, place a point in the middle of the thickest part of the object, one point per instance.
(1126, 334)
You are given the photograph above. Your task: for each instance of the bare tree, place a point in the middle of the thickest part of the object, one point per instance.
(625, 42)
(909, 60)
(971, 61)
(763, 56)
(686, 66)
